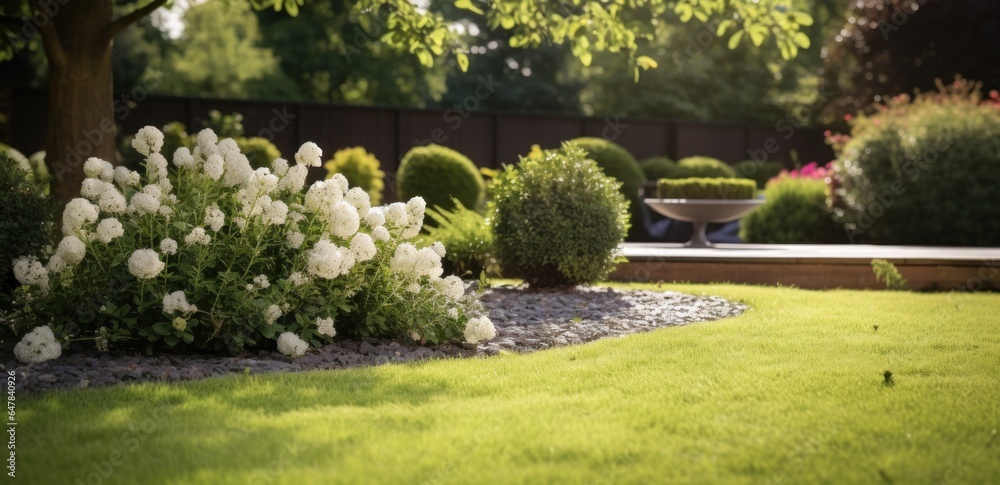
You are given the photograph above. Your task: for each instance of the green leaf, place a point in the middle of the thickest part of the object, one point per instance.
(786, 53)
(425, 58)
(723, 26)
(585, 58)
(507, 22)
(684, 11)
(162, 328)
(735, 39)
(467, 5)
(801, 39)
(802, 18)
(646, 62)
(463, 61)
(757, 34)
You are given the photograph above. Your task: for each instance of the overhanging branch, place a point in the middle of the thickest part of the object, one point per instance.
(116, 26)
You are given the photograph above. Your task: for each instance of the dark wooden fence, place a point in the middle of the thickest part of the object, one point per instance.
(489, 139)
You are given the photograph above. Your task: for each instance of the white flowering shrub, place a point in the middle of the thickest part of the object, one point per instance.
(210, 254)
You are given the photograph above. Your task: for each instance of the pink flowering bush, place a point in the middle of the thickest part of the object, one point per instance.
(811, 170)
(203, 252)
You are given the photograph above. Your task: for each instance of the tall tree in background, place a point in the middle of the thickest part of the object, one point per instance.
(77, 36)
(889, 47)
(332, 53)
(220, 54)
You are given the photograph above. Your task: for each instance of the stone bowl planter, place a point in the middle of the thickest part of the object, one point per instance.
(700, 212)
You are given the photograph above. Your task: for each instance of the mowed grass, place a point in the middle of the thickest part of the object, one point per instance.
(790, 392)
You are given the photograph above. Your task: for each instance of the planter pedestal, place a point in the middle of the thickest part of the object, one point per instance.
(701, 212)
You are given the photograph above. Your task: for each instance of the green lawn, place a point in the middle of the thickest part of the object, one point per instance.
(790, 392)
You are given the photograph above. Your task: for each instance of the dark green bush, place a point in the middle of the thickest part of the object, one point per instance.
(439, 174)
(25, 221)
(618, 163)
(703, 167)
(466, 237)
(707, 188)
(361, 170)
(759, 172)
(657, 168)
(795, 212)
(924, 171)
(260, 151)
(558, 219)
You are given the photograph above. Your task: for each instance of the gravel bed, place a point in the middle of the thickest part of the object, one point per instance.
(525, 320)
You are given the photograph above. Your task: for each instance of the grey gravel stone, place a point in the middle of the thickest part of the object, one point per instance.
(525, 320)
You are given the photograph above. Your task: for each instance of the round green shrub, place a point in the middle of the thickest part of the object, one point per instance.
(759, 172)
(439, 174)
(558, 219)
(795, 212)
(657, 168)
(704, 167)
(260, 151)
(361, 170)
(924, 171)
(25, 221)
(618, 163)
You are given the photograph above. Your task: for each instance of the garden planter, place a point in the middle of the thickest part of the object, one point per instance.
(700, 212)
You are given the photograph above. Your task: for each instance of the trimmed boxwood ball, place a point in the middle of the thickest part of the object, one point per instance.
(558, 219)
(439, 174)
(705, 167)
(656, 168)
(618, 163)
(796, 212)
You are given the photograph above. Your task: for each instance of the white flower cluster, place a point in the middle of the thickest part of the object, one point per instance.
(109, 229)
(176, 302)
(145, 264)
(413, 262)
(291, 345)
(71, 250)
(324, 326)
(197, 236)
(326, 198)
(214, 217)
(78, 213)
(408, 217)
(451, 286)
(168, 246)
(479, 329)
(148, 140)
(39, 345)
(29, 271)
(310, 155)
(328, 261)
(272, 314)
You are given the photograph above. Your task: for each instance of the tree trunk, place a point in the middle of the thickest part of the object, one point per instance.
(81, 122)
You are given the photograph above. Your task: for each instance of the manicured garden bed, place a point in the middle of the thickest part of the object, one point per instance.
(793, 391)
